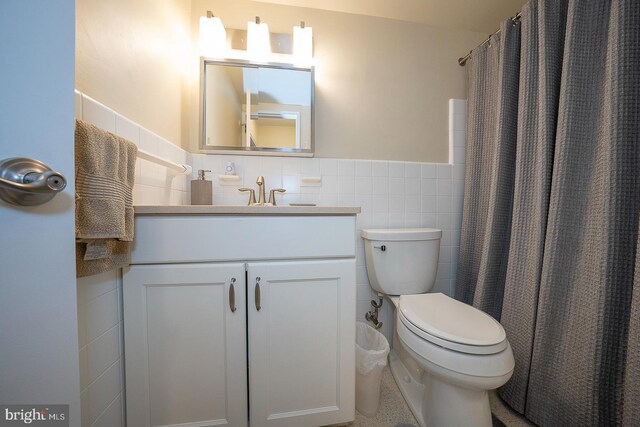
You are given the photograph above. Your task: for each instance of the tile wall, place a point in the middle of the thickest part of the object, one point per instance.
(100, 327)
(391, 194)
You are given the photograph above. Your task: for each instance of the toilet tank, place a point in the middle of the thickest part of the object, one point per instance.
(402, 262)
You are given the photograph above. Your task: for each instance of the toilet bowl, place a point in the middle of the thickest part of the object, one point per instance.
(446, 354)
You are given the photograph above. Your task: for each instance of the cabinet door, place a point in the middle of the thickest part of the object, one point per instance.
(185, 347)
(301, 343)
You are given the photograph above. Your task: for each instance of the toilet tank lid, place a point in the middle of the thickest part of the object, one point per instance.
(402, 234)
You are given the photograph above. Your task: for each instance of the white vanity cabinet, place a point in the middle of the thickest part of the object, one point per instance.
(185, 349)
(283, 357)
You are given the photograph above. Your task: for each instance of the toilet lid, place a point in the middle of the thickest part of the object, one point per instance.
(450, 320)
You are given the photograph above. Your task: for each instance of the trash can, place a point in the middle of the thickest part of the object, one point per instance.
(372, 349)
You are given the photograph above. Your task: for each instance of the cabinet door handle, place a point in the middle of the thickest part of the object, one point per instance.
(257, 294)
(232, 296)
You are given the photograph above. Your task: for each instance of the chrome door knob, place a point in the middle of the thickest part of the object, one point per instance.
(28, 182)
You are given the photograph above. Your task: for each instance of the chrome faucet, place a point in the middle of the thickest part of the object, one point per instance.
(261, 194)
(260, 182)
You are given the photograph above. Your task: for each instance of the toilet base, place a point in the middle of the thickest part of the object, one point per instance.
(435, 403)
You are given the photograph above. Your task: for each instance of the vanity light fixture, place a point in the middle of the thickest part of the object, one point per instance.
(258, 40)
(213, 37)
(303, 44)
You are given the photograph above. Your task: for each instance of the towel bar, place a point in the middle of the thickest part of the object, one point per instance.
(178, 168)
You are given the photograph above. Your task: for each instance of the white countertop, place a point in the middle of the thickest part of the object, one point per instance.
(143, 210)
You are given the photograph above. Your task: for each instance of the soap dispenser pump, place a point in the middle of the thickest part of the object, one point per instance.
(201, 189)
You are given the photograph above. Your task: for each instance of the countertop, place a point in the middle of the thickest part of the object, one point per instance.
(145, 210)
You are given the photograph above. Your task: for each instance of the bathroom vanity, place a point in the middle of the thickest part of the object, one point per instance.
(237, 315)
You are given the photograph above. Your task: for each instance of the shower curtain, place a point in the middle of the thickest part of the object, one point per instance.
(550, 234)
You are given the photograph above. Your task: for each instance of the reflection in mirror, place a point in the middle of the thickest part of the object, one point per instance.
(257, 108)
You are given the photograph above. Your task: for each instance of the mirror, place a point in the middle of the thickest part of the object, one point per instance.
(252, 109)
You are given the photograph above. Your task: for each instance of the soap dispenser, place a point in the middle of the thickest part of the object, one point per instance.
(201, 189)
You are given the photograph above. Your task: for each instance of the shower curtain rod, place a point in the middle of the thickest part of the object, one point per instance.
(462, 61)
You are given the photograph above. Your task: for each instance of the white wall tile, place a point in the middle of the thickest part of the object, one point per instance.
(271, 166)
(396, 169)
(380, 168)
(413, 220)
(380, 185)
(346, 184)
(412, 205)
(429, 171)
(77, 103)
(443, 187)
(346, 167)
(429, 187)
(444, 204)
(428, 220)
(413, 170)
(103, 352)
(459, 122)
(290, 165)
(98, 115)
(365, 202)
(346, 199)
(310, 167)
(380, 203)
(328, 167)
(101, 315)
(396, 186)
(396, 204)
(91, 287)
(396, 220)
(126, 129)
(112, 416)
(363, 168)
(412, 187)
(84, 368)
(429, 204)
(291, 183)
(84, 409)
(364, 185)
(459, 138)
(458, 155)
(444, 171)
(103, 391)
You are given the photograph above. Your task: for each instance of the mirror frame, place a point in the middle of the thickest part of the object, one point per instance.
(252, 151)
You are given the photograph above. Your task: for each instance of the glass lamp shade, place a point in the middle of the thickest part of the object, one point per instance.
(303, 45)
(213, 37)
(258, 42)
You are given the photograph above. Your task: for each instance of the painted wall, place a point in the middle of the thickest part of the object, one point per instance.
(134, 56)
(382, 85)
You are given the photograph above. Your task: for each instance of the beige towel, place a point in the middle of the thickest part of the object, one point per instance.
(105, 170)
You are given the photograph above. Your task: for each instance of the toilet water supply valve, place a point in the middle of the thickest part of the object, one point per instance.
(372, 315)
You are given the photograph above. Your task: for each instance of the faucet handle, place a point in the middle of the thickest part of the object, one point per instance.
(252, 195)
(272, 195)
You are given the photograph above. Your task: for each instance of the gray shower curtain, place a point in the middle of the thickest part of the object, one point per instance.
(550, 233)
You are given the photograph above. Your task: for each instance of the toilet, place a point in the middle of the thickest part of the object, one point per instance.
(446, 355)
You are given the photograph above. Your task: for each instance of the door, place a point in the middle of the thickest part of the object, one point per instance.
(185, 340)
(38, 319)
(301, 342)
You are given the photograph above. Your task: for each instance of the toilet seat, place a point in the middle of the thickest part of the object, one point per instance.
(451, 324)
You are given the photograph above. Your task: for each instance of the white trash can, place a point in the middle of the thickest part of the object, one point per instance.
(372, 349)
